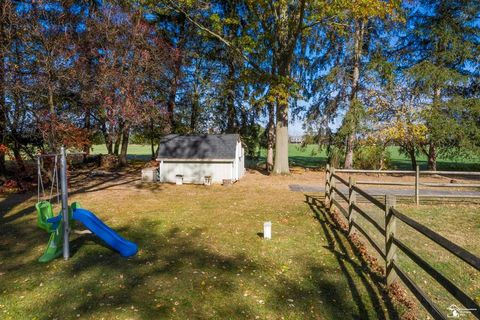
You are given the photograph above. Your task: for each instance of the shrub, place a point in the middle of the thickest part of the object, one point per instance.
(335, 155)
(371, 156)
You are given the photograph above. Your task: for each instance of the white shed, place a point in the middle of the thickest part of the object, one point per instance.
(201, 159)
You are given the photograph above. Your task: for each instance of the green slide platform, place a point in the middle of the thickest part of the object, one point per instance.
(47, 221)
(54, 247)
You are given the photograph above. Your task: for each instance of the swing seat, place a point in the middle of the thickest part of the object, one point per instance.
(44, 213)
(47, 221)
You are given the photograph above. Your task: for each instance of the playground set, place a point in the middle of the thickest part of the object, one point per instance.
(60, 226)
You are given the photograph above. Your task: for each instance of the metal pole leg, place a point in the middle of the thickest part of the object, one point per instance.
(63, 181)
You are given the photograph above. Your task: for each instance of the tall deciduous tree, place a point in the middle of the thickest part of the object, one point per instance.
(6, 8)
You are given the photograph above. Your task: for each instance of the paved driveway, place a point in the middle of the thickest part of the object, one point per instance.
(381, 191)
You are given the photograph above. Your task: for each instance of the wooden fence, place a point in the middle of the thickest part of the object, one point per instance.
(392, 242)
(418, 184)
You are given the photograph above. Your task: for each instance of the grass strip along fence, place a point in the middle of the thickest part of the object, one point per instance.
(393, 243)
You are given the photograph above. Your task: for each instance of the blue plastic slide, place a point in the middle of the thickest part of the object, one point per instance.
(93, 223)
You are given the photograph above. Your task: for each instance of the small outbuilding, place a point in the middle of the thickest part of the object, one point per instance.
(201, 159)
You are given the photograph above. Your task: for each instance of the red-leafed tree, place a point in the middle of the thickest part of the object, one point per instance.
(132, 62)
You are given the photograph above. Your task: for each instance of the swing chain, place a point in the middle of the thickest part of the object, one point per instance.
(55, 180)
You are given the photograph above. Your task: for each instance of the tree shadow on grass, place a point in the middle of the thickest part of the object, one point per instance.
(176, 274)
(10, 201)
(307, 161)
(353, 267)
(172, 275)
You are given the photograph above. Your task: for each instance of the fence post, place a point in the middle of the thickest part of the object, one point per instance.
(417, 185)
(327, 184)
(331, 192)
(352, 198)
(390, 234)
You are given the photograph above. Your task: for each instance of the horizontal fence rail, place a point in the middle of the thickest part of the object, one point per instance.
(387, 183)
(441, 241)
(343, 196)
(370, 198)
(417, 184)
(368, 218)
(340, 207)
(369, 239)
(452, 185)
(345, 182)
(440, 278)
(426, 184)
(391, 238)
(376, 171)
(426, 302)
(452, 173)
(426, 172)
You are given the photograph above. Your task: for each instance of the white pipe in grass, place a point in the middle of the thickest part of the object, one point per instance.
(267, 230)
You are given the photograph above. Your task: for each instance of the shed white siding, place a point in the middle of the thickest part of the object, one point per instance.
(195, 170)
(241, 163)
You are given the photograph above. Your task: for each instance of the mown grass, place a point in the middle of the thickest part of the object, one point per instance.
(456, 222)
(459, 224)
(312, 156)
(200, 257)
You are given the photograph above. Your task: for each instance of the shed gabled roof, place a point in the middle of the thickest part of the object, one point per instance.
(215, 146)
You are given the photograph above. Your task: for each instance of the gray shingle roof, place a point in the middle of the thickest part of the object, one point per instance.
(215, 146)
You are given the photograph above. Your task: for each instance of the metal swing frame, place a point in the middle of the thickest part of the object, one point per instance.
(63, 192)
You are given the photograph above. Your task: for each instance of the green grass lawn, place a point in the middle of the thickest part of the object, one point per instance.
(135, 151)
(201, 257)
(313, 156)
(458, 223)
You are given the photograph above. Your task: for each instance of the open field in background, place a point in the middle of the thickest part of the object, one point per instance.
(200, 256)
(312, 156)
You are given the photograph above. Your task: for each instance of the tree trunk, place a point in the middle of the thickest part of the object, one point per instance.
(230, 99)
(195, 112)
(3, 108)
(116, 145)
(18, 157)
(413, 159)
(432, 150)
(152, 146)
(432, 157)
(87, 126)
(109, 145)
(270, 136)
(51, 134)
(89, 85)
(124, 149)
(108, 139)
(152, 139)
(171, 109)
(281, 139)
(178, 62)
(357, 54)
(118, 139)
(286, 37)
(348, 164)
(171, 104)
